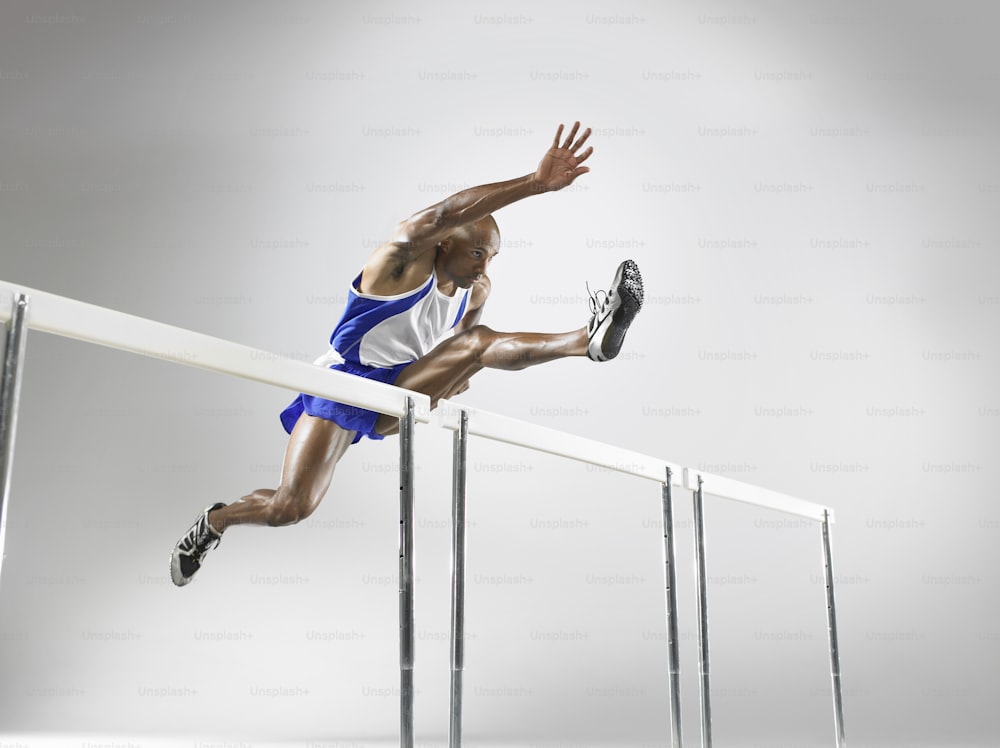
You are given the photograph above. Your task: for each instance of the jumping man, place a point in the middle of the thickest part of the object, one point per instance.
(412, 319)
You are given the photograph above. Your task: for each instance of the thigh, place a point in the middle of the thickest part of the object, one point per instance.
(314, 448)
(437, 374)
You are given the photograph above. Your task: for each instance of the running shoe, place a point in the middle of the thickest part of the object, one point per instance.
(613, 312)
(189, 553)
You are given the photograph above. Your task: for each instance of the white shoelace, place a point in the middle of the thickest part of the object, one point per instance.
(597, 303)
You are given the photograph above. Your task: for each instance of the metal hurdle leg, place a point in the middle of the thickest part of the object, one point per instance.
(459, 461)
(673, 655)
(406, 577)
(10, 393)
(831, 613)
(699, 537)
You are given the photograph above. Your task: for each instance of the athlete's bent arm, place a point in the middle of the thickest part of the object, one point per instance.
(477, 299)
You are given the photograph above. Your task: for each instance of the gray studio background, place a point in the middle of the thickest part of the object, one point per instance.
(811, 191)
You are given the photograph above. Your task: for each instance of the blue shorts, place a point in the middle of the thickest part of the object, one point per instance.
(349, 417)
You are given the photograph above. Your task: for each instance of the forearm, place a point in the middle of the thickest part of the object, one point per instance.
(560, 165)
(468, 206)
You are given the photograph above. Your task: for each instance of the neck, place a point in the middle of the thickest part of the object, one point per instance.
(444, 284)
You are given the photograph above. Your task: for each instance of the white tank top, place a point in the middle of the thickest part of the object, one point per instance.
(386, 331)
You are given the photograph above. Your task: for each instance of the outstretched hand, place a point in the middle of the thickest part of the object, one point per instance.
(561, 163)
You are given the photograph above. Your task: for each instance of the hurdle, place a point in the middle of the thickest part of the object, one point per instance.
(57, 315)
(23, 309)
(465, 421)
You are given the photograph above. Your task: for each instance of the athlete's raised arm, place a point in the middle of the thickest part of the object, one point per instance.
(421, 232)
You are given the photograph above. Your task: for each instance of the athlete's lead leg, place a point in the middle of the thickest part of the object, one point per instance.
(458, 358)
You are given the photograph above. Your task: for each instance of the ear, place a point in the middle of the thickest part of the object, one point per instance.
(444, 245)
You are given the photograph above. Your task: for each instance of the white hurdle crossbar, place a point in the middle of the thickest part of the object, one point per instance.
(22, 309)
(94, 324)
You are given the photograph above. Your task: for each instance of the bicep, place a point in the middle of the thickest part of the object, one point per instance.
(421, 231)
(409, 247)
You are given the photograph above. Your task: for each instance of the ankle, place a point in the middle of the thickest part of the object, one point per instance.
(215, 522)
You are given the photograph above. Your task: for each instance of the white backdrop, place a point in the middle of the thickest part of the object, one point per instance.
(811, 192)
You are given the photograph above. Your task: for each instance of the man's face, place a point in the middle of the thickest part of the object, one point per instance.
(469, 253)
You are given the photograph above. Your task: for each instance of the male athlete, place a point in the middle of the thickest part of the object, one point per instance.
(427, 281)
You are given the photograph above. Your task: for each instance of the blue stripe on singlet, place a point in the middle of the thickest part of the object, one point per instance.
(461, 309)
(361, 315)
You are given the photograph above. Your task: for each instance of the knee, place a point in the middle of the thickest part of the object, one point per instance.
(289, 506)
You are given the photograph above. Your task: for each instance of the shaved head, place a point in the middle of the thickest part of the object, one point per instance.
(488, 225)
(483, 232)
(464, 255)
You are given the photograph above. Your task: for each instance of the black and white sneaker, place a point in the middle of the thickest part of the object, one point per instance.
(614, 312)
(191, 549)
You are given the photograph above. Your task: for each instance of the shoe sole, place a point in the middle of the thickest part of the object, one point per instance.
(176, 574)
(628, 285)
(175, 570)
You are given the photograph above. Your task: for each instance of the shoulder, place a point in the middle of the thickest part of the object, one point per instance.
(392, 270)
